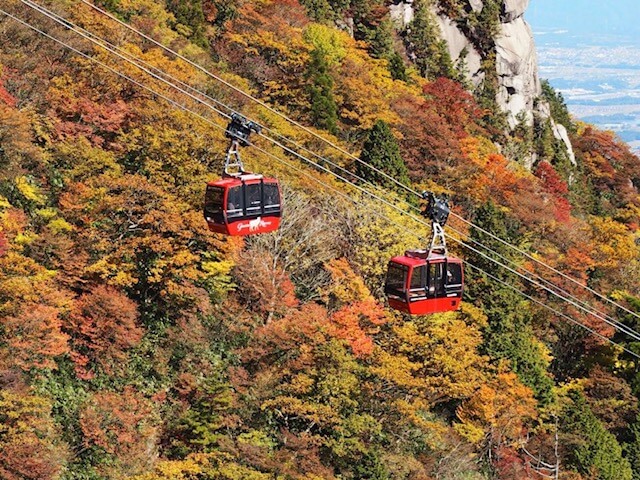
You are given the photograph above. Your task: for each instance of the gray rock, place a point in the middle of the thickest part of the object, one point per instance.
(513, 9)
(516, 62)
(401, 13)
(517, 68)
(476, 5)
(457, 42)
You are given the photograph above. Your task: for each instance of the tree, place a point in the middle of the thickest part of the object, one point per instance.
(592, 450)
(497, 413)
(190, 20)
(509, 334)
(120, 429)
(29, 439)
(102, 325)
(430, 51)
(34, 337)
(324, 111)
(380, 155)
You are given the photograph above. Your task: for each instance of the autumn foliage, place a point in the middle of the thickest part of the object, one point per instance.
(136, 344)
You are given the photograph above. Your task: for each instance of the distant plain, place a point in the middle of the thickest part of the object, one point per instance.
(594, 64)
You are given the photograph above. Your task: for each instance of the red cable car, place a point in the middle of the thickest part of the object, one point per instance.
(242, 203)
(246, 204)
(421, 282)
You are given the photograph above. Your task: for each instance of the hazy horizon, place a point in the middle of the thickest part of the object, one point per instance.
(590, 52)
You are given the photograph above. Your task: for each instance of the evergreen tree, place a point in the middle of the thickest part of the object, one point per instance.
(189, 13)
(508, 334)
(324, 111)
(381, 150)
(632, 448)
(559, 110)
(593, 450)
(431, 52)
(396, 67)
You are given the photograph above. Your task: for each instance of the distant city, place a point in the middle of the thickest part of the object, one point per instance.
(595, 64)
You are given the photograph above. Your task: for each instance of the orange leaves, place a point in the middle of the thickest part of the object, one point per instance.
(498, 411)
(78, 115)
(34, 337)
(102, 325)
(123, 425)
(356, 322)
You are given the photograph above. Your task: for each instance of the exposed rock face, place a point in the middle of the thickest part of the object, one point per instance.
(512, 9)
(517, 68)
(457, 42)
(401, 13)
(519, 86)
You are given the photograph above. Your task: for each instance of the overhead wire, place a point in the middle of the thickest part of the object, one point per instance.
(377, 170)
(135, 61)
(296, 154)
(166, 78)
(350, 155)
(151, 70)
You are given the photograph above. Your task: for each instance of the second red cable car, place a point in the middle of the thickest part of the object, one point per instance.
(421, 282)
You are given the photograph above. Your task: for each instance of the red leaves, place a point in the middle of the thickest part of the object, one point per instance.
(454, 105)
(123, 425)
(35, 337)
(553, 183)
(102, 325)
(5, 96)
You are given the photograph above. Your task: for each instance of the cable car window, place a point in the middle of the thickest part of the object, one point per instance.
(213, 201)
(454, 274)
(436, 280)
(253, 195)
(234, 202)
(396, 277)
(271, 198)
(419, 277)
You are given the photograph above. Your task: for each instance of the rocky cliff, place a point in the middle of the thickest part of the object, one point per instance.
(511, 52)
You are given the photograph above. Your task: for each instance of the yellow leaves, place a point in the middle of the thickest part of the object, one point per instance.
(300, 384)
(614, 245)
(345, 286)
(60, 225)
(329, 41)
(292, 407)
(4, 203)
(22, 281)
(85, 160)
(434, 358)
(502, 406)
(29, 191)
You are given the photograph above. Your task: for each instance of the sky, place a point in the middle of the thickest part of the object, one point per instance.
(582, 17)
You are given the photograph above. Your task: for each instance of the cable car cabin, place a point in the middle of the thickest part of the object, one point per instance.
(420, 284)
(245, 204)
